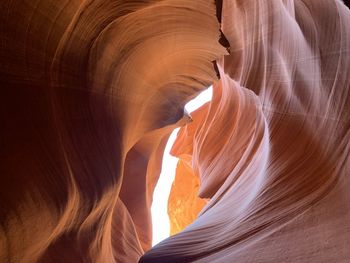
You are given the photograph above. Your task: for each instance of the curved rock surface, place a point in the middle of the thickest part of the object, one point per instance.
(92, 89)
(273, 151)
(90, 92)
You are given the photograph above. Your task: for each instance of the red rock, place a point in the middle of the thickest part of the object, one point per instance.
(85, 86)
(273, 155)
(90, 91)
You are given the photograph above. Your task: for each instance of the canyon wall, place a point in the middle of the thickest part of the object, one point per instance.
(91, 90)
(272, 152)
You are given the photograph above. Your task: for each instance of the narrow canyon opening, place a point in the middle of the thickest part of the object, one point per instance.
(160, 218)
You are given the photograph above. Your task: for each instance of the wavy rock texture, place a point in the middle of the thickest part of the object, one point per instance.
(90, 92)
(273, 151)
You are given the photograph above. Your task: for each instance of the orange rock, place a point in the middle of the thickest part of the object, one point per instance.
(273, 151)
(184, 205)
(84, 87)
(91, 89)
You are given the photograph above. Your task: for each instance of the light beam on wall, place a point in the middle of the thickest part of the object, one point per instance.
(160, 219)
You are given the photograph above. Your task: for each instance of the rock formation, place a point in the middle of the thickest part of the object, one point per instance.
(273, 151)
(90, 92)
(92, 89)
(184, 204)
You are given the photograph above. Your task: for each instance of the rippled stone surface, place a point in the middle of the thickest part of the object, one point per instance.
(272, 153)
(90, 91)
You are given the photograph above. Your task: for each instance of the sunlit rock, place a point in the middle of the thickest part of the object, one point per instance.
(273, 152)
(90, 91)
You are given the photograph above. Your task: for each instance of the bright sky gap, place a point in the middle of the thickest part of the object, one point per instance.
(160, 219)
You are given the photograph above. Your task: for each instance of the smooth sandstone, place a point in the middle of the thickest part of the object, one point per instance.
(90, 91)
(273, 152)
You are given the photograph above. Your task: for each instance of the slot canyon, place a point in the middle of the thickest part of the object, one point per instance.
(92, 89)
